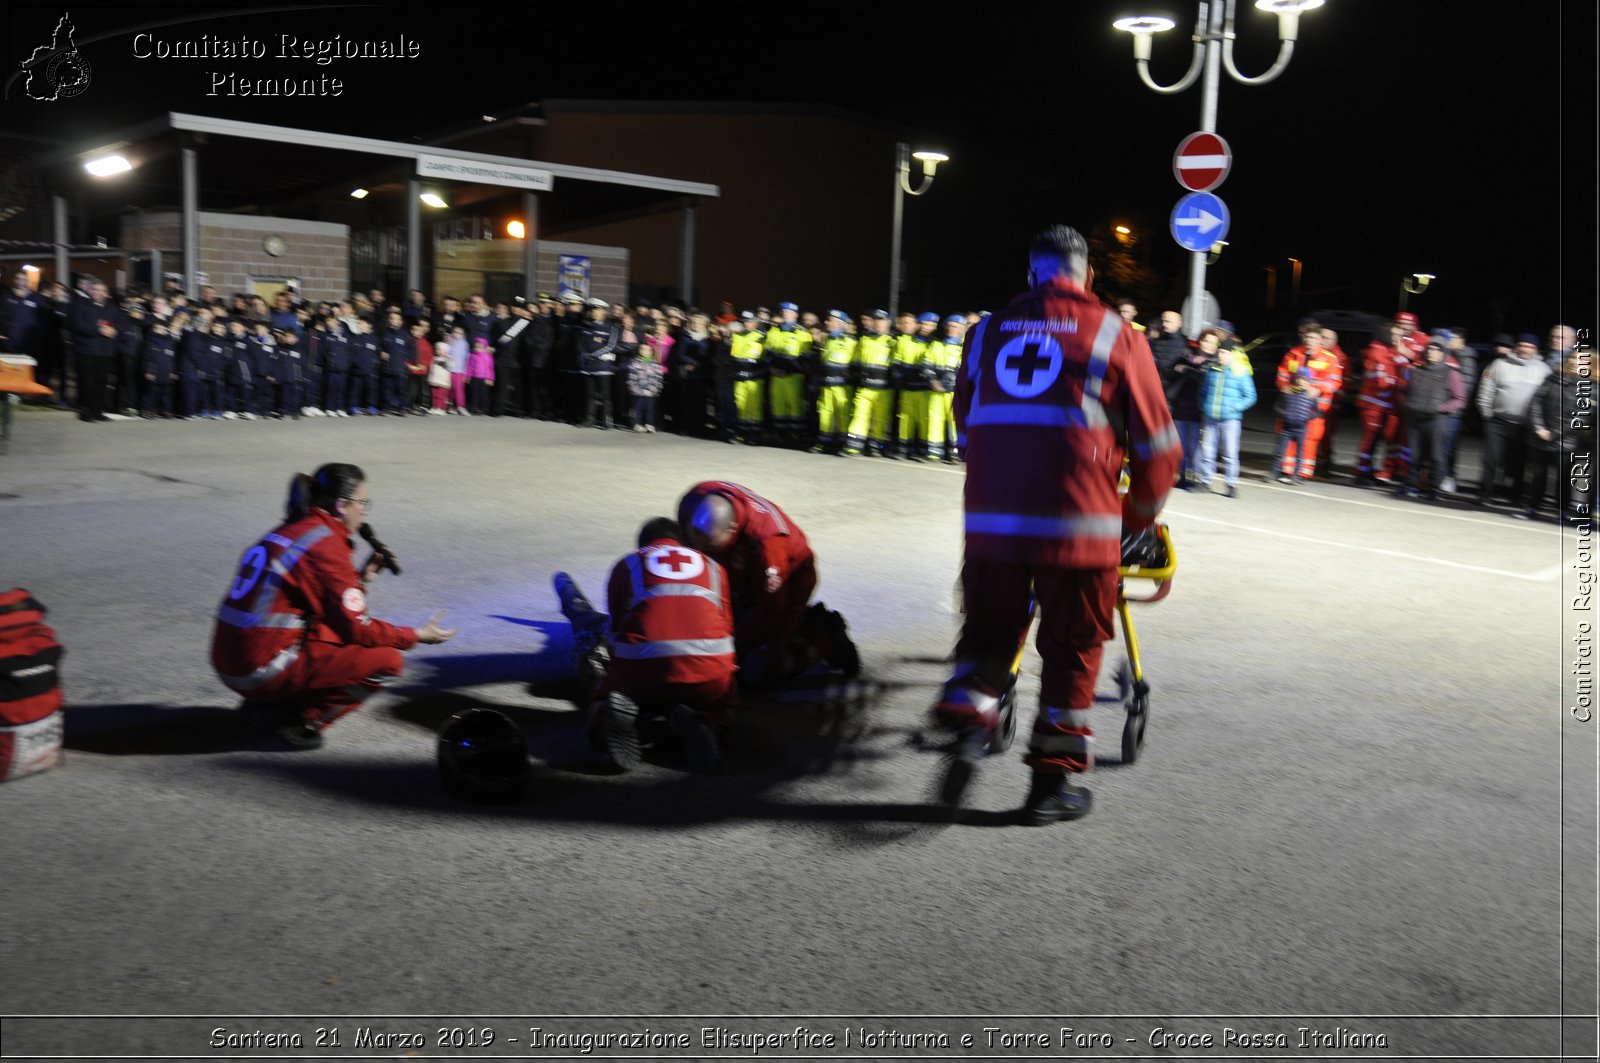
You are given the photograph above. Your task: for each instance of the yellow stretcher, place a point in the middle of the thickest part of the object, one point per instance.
(1133, 688)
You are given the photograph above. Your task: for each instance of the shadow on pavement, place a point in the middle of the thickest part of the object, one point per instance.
(440, 686)
(634, 800)
(548, 660)
(796, 733)
(430, 709)
(442, 672)
(147, 730)
(775, 743)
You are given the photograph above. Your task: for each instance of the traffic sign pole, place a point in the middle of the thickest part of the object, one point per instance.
(1208, 124)
(1198, 221)
(1213, 44)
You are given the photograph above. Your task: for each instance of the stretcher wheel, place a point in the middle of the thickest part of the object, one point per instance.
(1133, 727)
(1007, 731)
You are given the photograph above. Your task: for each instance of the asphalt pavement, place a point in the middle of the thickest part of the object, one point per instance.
(1362, 801)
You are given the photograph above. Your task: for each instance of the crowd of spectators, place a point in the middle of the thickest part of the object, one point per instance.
(754, 377)
(837, 383)
(1411, 391)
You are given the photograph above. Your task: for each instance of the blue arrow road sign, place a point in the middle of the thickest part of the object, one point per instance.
(1199, 220)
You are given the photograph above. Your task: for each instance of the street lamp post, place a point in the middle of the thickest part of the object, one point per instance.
(1213, 49)
(902, 188)
(1415, 284)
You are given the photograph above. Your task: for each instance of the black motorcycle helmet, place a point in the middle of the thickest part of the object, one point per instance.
(483, 757)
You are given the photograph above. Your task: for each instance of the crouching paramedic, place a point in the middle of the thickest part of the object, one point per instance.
(293, 635)
(672, 649)
(1052, 390)
(773, 572)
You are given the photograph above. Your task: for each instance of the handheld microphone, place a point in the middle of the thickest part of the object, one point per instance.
(384, 555)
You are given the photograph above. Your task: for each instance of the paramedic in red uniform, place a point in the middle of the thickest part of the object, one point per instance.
(671, 637)
(293, 633)
(773, 573)
(1327, 378)
(1053, 392)
(1383, 382)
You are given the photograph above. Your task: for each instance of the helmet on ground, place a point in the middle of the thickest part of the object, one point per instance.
(483, 757)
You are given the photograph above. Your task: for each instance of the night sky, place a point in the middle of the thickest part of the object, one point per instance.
(1417, 136)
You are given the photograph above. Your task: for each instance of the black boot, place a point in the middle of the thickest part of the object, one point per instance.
(961, 759)
(1051, 799)
(621, 732)
(700, 748)
(283, 718)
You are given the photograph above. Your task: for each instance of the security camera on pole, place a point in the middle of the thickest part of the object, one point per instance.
(1197, 160)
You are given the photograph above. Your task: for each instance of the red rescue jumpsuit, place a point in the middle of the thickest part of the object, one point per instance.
(1327, 378)
(293, 626)
(1330, 420)
(765, 538)
(1382, 390)
(672, 631)
(1052, 392)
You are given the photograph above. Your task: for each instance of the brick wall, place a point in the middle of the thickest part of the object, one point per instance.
(231, 254)
(140, 232)
(461, 263)
(231, 251)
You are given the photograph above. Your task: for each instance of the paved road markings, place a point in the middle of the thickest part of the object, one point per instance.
(1397, 506)
(1542, 576)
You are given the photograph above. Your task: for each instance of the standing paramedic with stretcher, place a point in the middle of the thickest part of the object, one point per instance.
(1053, 391)
(292, 634)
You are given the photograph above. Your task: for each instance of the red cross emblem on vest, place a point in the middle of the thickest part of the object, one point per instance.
(674, 562)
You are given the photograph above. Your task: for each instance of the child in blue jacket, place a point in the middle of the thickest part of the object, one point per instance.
(1297, 407)
(1227, 389)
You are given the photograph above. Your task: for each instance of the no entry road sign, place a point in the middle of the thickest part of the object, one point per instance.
(1201, 162)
